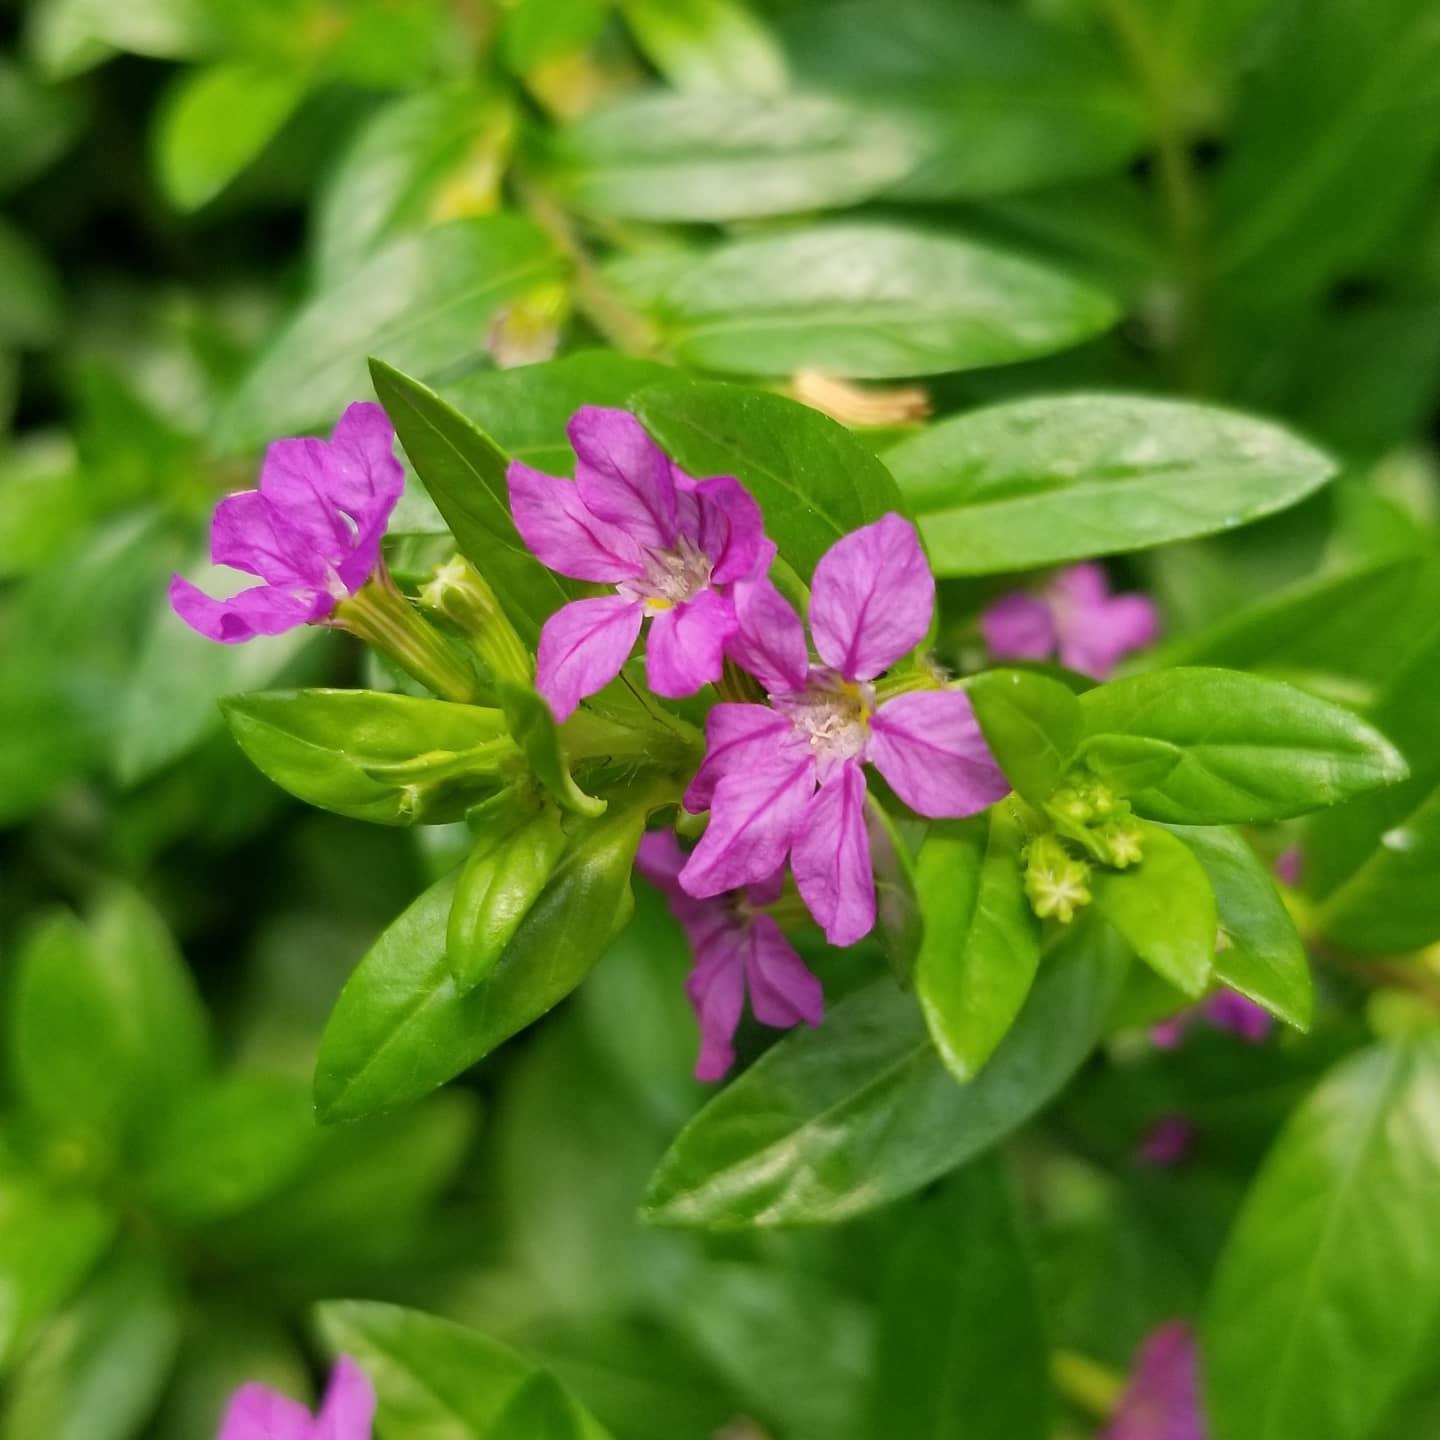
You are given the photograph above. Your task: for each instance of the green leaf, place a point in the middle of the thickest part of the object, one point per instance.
(97, 1371)
(540, 31)
(861, 299)
(372, 755)
(227, 1146)
(439, 1379)
(106, 1028)
(899, 927)
(664, 156)
(216, 121)
(1129, 763)
(1034, 482)
(711, 46)
(813, 479)
(1329, 1285)
(532, 724)
(962, 1346)
(37, 121)
(30, 299)
(1337, 128)
(424, 302)
(1164, 909)
(1032, 725)
(1253, 750)
(464, 471)
(71, 35)
(833, 1122)
(982, 941)
(48, 1243)
(1265, 959)
(429, 157)
(401, 1025)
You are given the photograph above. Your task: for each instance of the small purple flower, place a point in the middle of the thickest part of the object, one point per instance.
(1075, 617)
(1167, 1142)
(737, 947)
(670, 545)
(1162, 1401)
(1224, 1010)
(311, 531)
(787, 778)
(256, 1412)
(1289, 866)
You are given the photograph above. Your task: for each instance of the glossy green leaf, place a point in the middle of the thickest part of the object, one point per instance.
(429, 157)
(833, 1122)
(226, 1146)
(1264, 958)
(464, 471)
(861, 299)
(424, 302)
(963, 1352)
(982, 941)
(1164, 909)
(813, 479)
(1129, 763)
(372, 755)
(48, 1243)
(438, 1379)
(1330, 1281)
(97, 1371)
(1338, 126)
(711, 46)
(71, 35)
(1032, 725)
(1253, 750)
(725, 157)
(401, 1025)
(216, 121)
(106, 1028)
(1034, 482)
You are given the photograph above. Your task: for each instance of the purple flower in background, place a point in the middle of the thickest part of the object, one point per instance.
(1224, 1010)
(1289, 866)
(671, 546)
(736, 948)
(256, 1412)
(1162, 1401)
(1075, 617)
(787, 778)
(311, 531)
(1167, 1142)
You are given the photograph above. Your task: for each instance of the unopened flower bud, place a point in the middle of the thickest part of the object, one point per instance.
(1120, 843)
(1056, 883)
(459, 593)
(1071, 805)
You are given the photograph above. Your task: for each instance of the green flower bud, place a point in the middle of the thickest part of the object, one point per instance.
(461, 594)
(1056, 883)
(1070, 806)
(1120, 844)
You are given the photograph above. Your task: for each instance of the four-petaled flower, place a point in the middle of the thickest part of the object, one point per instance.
(670, 545)
(311, 531)
(256, 1412)
(1224, 1010)
(1075, 617)
(787, 778)
(737, 947)
(1162, 1401)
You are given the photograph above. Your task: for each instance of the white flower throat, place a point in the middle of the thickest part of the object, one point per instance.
(671, 576)
(832, 713)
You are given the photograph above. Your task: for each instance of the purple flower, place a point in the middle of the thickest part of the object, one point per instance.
(1167, 1142)
(1162, 1401)
(1224, 1010)
(787, 778)
(311, 531)
(736, 947)
(1075, 617)
(1289, 866)
(256, 1412)
(670, 546)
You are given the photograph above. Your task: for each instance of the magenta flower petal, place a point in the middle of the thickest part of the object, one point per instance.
(831, 858)
(1167, 1034)
(724, 521)
(564, 534)
(1229, 1010)
(366, 475)
(686, 645)
(929, 748)
(716, 988)
(622, 476)
(769, 640)
(1290, 865)
(1163, 1398)
(756, 811)
(1018, 627)
(783, 991)
(1083, 587)
(251, 533)
(1167, 1142)
(582, 647)
(736, 736)
(260, 610)
(1093, 642)
(872, 598)
(256, 1412)
(659, 858)
(349, 1408)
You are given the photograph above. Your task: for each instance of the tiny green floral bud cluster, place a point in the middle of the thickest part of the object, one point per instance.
(1056, 883)
(459, 593)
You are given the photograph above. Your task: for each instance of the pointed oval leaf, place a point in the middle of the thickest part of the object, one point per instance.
(1032, 725)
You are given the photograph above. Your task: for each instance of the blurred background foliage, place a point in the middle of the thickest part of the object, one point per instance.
(213, 212)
